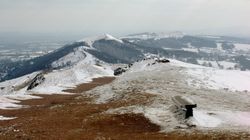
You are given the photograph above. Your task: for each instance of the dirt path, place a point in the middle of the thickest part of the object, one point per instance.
(59, 117)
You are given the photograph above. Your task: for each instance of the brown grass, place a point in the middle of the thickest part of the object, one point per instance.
(87, 86)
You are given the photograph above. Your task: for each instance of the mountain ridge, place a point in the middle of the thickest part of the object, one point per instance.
(192, 49)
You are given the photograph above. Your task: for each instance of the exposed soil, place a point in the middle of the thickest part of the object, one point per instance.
(58, 117)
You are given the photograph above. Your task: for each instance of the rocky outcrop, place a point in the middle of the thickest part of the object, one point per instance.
(36, 81)
(119, 71)
(163, 61)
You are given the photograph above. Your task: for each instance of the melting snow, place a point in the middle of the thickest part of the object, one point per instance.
(6, 103)
(2, 118)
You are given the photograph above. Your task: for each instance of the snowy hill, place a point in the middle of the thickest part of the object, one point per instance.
(112, 50)
(18, 69)
(222, 102)
(93, 57)
(82, 72)
(105, 48)
(218, 108)
(55, 81)
(91, 40)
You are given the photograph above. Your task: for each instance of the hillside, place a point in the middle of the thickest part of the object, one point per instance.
(148, 97)
(140, 96)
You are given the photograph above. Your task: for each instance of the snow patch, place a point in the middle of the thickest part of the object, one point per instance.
(227, 65)
(195, 50)
(2, 118)
(234, 80)
(203, 119)
(6, 103)
(243, 47)
(221, 118)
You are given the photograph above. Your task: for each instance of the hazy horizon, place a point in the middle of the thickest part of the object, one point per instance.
(92, 17)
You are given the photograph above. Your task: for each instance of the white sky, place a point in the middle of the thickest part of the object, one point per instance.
(223, 17)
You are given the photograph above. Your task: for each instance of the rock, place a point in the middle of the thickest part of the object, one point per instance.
(119, 71)
(36, 81)
(130, 65)
(163, 61)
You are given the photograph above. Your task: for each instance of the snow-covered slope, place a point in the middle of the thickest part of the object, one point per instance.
(91, 40)
(217, 107)
(234, 80)
(72, 58)
(86, 68)
(222, 96)
(82, 72)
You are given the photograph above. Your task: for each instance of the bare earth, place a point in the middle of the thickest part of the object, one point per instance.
(59, 117)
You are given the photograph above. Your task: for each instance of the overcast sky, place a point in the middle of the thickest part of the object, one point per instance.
(223, 17)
